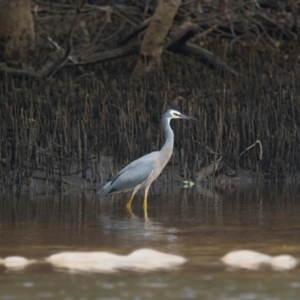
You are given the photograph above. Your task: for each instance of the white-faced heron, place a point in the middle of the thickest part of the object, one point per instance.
(144, 170)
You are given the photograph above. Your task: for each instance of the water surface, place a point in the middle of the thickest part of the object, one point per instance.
(199, 224)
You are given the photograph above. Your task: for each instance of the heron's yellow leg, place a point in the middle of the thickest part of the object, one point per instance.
(145, 204)
(145, 213)
(128, 205)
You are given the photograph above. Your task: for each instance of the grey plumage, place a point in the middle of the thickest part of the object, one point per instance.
(143, 171)
(136, 172)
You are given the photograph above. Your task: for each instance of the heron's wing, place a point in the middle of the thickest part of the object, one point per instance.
(131, 176)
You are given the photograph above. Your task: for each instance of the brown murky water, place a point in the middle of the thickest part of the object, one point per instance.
(199, 224)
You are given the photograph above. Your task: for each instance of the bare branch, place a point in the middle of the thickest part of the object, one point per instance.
(260, 149)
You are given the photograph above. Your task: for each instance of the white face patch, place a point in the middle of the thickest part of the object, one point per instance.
(176, 114)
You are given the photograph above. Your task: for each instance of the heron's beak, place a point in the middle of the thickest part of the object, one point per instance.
(187, 117)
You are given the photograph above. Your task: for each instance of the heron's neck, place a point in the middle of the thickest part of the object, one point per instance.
(168, 146)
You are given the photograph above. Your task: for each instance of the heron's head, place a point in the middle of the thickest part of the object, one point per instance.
(174, 114)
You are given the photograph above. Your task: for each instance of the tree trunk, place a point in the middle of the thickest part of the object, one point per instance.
(16, 29)
(153, 42)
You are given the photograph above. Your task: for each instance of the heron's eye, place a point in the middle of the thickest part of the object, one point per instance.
(175, 114)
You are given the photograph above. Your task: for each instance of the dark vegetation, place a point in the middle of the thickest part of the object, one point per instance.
(66, 118)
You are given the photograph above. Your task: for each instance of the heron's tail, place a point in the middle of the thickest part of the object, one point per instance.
(106, 190)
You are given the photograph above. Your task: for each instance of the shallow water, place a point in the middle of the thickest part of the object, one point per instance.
(199, 224)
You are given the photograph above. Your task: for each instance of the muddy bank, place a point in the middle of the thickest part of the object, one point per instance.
(171, 177)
